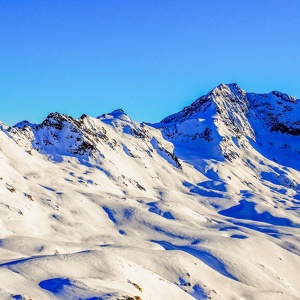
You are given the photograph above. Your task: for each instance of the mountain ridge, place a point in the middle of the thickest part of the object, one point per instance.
(204, 206)
(227, 104)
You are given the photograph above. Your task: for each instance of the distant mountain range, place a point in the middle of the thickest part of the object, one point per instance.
(202, 205)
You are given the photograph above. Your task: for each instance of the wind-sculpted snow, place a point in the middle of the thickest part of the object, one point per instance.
(204, 205)
(246, 210)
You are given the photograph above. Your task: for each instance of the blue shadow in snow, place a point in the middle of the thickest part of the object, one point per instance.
(128, 213)
(93, 298)
(154, 209)
(297, 197)
(238, 236)
(199, 292)
(110, 214)
(168, 233)
(246, 193)
(227, 228)
(263, 229)
(213, 185)
(48, 188)
(19, 261)
(168, 215)
(201, 191)
(55, 285)
(18, 297)
(104, 171)
(246, 210)
(202, 255)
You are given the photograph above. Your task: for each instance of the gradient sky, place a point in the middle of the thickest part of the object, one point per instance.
(150, 58)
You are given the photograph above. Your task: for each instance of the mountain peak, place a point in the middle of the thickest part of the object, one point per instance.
(117, 114)
(23, 124)
(218, 98)
(229, 85)
(55, 120)
(225, 89)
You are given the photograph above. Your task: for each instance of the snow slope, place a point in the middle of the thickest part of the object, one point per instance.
(203, 205)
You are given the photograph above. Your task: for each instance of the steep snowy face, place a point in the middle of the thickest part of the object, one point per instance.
(278, 112)
(224, 97)
(209, 124)
(238, 110)
(227, 119)
(105, 138)
(61, 135)
(57, 135)
(227, 105)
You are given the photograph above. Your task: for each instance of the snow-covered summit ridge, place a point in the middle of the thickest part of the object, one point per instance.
(95, 207)
(211, 123)
(212, 101)
(224, 122)
(88, 138)
(242, 113)
(114, 116)
(230, 97)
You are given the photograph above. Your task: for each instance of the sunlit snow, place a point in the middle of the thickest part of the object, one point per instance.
(203, 205)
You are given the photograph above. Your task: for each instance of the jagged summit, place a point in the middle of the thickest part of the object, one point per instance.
(117, 114)
(230, 87)
(235, 108)
(227, 118)
(227, 112)
(56, 120)
(22, 124)
(218, 99)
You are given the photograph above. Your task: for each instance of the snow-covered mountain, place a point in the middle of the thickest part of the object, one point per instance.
(203, 205)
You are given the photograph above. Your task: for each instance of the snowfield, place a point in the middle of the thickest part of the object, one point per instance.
(203, 205)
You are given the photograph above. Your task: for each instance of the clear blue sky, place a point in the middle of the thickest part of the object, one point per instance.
(150, 58)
